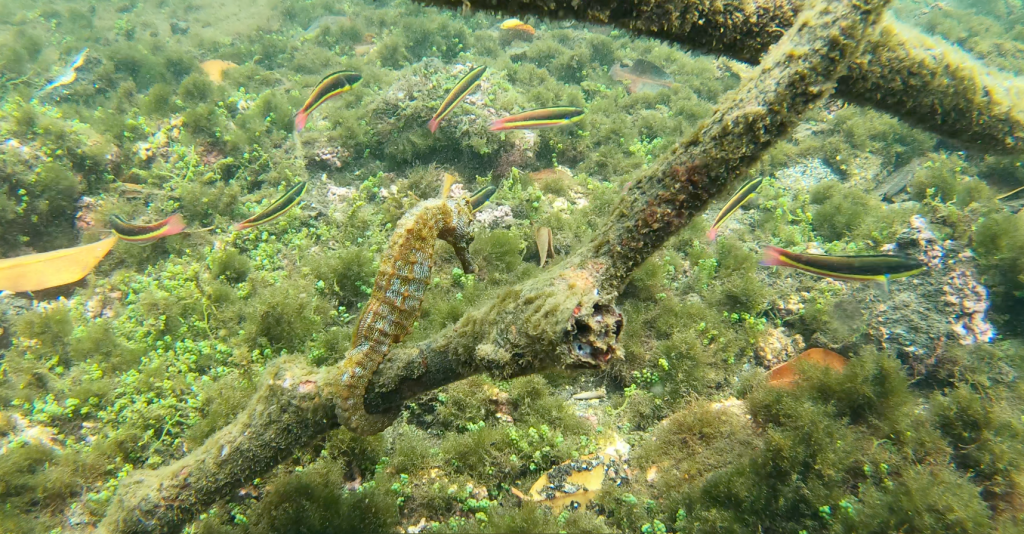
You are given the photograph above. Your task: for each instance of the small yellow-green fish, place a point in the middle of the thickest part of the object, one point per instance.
(481, 197)
(142, 234)
(331, 86)
(69, 75)
(734, 204)
(538, 118)
(276, 208)
(466, 85)
(867, 268)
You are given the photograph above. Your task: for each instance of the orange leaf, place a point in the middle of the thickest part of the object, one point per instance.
(51, 269)
(784, 375)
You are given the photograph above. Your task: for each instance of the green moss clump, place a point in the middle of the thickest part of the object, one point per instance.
(923, 499)
(498, 251)
(842, 212)
(987, 440)
(527, 518)
(999, 245)
(37, 206)
(229, 265)
(642, 410)
(424, 35)
(347, 274)
(284, 317)
(316, 500)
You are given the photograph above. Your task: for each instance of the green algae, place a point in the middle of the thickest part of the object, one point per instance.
(198, 315)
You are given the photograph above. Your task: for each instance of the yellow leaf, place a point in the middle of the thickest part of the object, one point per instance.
(576, 480)
(51, 269)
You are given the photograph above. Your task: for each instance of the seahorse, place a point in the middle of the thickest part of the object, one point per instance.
(397, 296)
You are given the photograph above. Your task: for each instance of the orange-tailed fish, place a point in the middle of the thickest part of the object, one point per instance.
(142, 234)
(734, 204)
(466, 85)
(538, 118)
(276, 209)
(67, 76)
(331, 86)
(867, 268)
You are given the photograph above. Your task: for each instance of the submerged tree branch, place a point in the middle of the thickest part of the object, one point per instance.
(923, 81)
(560, 318)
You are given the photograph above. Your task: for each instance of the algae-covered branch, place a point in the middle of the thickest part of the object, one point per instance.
(560, 318)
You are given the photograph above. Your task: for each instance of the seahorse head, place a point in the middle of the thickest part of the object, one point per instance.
(457, 231)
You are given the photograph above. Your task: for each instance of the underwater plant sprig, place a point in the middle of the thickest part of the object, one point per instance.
(462, 89)
(539, 118)
(329, 87)
(276, 208)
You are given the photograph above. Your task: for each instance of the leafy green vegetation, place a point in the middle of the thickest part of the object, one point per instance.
(163, 345)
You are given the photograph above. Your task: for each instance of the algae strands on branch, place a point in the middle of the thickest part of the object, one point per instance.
(35, 272)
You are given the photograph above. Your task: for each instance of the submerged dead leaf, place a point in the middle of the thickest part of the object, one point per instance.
(34, 272)
(642, 75)
(545, 244)
(786, 374)
(577, 480)
(581, 479)
(214, 68)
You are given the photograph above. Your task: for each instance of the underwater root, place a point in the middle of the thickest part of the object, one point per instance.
(918, 79)
(557, 319)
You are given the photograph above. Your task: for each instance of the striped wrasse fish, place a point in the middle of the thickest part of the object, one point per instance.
(331, 86)
(276, 208)
(745, 192)
(466, 85)
(879, 268)
(538, 118)
(143, 234)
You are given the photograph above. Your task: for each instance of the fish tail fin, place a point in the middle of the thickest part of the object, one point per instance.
(432, 125)
(175, 224)
(882, 288)
(498, 125)
(713, 234)
(773, 257)
(300, 121)
(238, 227)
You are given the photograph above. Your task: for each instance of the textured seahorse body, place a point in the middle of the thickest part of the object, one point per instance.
(397, 296)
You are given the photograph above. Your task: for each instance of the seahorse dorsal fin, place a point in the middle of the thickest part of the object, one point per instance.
(449, 179)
